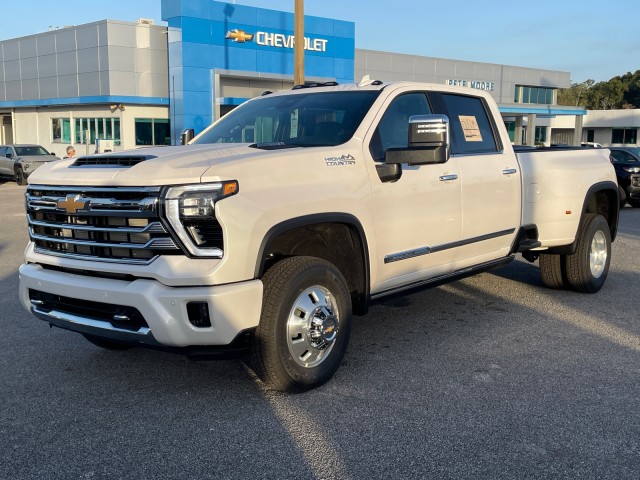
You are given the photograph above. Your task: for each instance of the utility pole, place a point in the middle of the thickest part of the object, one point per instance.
(298, 50)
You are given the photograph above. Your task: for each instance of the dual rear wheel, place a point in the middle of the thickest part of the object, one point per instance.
(585, 270)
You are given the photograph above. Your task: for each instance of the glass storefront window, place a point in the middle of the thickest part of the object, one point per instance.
(60, 130)
(108, 128)
(152, 131)
(624, 135)
(537, 95)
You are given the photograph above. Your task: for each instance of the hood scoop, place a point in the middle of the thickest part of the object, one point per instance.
(112, 161)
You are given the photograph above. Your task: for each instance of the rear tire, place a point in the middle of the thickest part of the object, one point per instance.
(588, 267)
(20, 178)
(107, 344)
(552, 270)
(304, 327)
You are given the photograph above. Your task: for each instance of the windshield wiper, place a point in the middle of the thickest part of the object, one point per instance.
(272, 145)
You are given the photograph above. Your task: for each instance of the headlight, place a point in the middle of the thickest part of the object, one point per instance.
(190, 209)
(632, 169)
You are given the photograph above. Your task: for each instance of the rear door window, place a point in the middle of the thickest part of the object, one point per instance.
(472, 128)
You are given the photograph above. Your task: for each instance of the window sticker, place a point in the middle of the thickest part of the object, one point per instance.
(470, 128)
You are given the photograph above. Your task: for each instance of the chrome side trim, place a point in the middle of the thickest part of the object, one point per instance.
(94, 327)
(509, 171)
(395, 257)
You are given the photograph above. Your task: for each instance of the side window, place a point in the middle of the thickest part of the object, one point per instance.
(3, 152)
(471, 127)
(393, 129)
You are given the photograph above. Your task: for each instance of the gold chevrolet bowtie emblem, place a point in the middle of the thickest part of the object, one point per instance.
(239, 36)
(72, 203)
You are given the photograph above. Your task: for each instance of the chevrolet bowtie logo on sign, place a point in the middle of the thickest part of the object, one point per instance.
(239, 36)
(72, 203)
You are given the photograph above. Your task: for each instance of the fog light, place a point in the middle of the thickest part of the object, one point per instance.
(198, 313)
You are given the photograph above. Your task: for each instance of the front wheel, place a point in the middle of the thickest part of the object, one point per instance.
(304, 327)
(20, 178)
(588, 267)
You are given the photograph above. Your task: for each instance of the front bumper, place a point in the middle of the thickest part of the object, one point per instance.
(233, 308)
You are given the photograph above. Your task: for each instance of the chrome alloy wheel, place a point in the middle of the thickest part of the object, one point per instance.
(598, 254)
(312, 326)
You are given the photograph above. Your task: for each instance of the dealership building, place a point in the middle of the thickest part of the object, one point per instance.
(135, 84)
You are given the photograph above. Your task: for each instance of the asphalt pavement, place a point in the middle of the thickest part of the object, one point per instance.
(490, 377)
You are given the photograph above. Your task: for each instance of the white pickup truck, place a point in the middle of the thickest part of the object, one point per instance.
(297, 209)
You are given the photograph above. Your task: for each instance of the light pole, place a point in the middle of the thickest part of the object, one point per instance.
(298, 49)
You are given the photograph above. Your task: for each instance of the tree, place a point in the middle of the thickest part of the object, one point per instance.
(576, 94)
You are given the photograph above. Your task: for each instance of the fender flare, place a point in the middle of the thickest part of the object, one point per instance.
(315, 219)
(612, 220)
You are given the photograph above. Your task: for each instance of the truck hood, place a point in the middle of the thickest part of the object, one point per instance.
(36, 158)
(147, 166)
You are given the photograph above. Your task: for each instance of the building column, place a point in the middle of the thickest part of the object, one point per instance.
(517, 137)
(577, 135)
(531, 129)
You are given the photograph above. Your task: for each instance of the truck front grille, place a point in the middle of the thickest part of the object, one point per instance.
(106, 224)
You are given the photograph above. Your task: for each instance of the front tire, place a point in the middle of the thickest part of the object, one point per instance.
(304, 327)
(20, 178)
(588, 267)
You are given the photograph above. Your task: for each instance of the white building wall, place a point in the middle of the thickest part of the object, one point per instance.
(34, 125)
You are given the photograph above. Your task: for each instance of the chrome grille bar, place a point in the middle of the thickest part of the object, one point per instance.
(160, 243)
(154, 227)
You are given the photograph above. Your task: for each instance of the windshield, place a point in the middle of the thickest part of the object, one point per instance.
(30, 151)
(301, 120)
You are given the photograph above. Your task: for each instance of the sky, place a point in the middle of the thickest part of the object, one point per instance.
(589, 39)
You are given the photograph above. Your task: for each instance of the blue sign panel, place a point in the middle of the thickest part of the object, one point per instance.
(205, 36)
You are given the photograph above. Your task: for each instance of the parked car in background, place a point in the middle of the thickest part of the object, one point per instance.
(626, 161)
(19, 161)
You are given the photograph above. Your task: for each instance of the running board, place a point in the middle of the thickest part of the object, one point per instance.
(446, 278)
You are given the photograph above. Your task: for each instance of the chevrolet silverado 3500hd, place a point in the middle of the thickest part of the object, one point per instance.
(295, 210)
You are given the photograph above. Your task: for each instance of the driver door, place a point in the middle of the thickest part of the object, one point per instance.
(418, 216)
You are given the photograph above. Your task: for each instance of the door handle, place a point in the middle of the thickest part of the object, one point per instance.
(448, 178)
(509, 171)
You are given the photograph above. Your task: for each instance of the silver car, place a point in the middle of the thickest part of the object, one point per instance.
(19, 161)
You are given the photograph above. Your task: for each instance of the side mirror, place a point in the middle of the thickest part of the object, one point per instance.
(186, 136)
(428, 142)
(9, 155)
